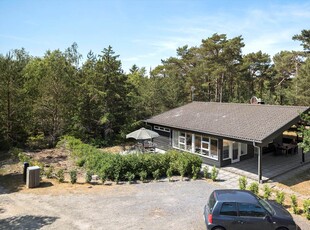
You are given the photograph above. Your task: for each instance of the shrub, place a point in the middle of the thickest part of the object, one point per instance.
(294, 204)
(280, 197)
(156, 174)
(49, 172)
(88, 176)
(267, 192)
(60, 175)
(243, 183)
(73, 176)
(143, 176)
(254, 188)
(80, 162)
(130, 176)
(103, 176)
(169, 173)
(23, 157)
(214, 173)
(206, 172)
(181, 165)
(14, 152)
(195, 172)
(306, 205)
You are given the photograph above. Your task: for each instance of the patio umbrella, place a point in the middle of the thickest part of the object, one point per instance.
(142, 134)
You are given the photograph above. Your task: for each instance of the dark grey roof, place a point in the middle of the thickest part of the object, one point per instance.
(238, 121)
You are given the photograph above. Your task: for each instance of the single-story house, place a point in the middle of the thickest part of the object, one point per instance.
(224, 133)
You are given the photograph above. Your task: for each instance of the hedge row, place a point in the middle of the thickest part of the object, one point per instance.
(115, 166)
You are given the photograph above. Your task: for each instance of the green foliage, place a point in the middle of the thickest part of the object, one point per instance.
(306, 206)
(305, 133)
(115, 166)
(206, 172)
(267, 192)
(254, 188)
(37, 141)
(80, 162)
(214, 173)
(169, 173)
(195, 172)
(73, 176)
(243, 183)
(143, 176)
(280, 197)
(156, 174)
(294, 204)
(60, 175)
(49, 173)
(23, 158)
(88, 176)
(103, 176)
(130, 176)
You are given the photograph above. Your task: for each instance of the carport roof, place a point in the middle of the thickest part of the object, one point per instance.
(247, 122)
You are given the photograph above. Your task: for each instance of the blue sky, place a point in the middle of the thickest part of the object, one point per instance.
(143, 32)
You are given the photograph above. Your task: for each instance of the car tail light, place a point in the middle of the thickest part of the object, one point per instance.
(210, 218)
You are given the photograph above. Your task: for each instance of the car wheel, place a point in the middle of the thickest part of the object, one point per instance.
(282, 228)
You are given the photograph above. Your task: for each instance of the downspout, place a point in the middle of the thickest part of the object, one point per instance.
(259, 166)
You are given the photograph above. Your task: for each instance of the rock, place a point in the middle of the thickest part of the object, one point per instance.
(95, 177)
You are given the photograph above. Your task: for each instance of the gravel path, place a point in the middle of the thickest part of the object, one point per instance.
(156, 205)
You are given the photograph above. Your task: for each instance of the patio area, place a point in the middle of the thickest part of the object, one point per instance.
(272, 166)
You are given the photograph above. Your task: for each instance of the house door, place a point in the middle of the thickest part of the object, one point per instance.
(235, 153)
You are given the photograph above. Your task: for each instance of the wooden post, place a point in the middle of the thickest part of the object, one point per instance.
(302, 155)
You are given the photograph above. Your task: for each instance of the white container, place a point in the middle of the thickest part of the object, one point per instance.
(33, 177)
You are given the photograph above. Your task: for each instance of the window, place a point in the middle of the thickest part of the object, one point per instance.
(244, 149)
(162, 129)
(228, 209)
(226, 145)
(201, 145)
(214, 149)
(252, 210)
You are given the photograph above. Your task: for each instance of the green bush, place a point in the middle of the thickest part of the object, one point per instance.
(103, 176)
(267, 192)
(49, 172)
(254, 188)
(116, 166)
(130, 176)
(88, 176)
(143, 176)
(60, 175)
(73, 176)
(156, 174)
(306, 206)
(169, 173)
(214, 173)
(206, 172)
(195, 172)
(243, 183)
(22, 157)
(280, 197)
(294, 204)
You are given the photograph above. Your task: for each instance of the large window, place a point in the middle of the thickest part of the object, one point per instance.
(226, 145)
(201, 145)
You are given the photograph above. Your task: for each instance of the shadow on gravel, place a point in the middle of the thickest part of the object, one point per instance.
(11, 183)
(26, 222)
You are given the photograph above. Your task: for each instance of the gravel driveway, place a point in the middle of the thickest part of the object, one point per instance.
(155, 205)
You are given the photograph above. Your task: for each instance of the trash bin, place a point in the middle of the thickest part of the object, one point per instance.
(26, 165)
(33, 177)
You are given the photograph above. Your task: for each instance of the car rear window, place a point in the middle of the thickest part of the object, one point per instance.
(228, 209)
(212, 201)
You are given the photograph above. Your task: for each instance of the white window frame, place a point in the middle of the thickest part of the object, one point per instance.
(156, 127)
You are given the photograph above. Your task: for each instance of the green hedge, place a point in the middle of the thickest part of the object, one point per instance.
(116, 166)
